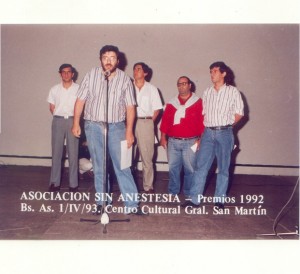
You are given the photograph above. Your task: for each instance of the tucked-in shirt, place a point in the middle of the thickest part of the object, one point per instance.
(148, 100)
(220, 107)
(190, 126)
(93, 89)
(63, 99)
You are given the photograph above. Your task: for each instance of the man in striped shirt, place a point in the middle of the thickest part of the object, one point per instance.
(121, 105)
(223, 107)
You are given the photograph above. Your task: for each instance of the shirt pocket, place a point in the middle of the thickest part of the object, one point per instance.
(144, 104)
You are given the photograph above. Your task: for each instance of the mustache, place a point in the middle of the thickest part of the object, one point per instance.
(110, 68)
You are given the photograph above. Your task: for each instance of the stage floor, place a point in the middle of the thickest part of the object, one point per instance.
(255, 207)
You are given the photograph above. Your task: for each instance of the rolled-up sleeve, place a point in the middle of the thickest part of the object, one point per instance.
(239, 104)
(129, 95)
(82, 92)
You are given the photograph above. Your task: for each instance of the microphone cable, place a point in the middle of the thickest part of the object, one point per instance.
(279, 214)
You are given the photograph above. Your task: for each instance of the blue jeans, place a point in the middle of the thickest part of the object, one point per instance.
(219, 144)
(95, 139)
(180, 155)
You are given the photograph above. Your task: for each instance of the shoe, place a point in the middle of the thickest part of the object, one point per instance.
(98, 210)
(219, 205)
(188, 203)
(80, 176)
(73, 189)
(53, 188)
(150, 191)
(137, 211)
(90, 174)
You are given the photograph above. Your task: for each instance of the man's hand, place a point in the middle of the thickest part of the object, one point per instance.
(76, 130)
(78, 108)
(163, 140)
(198, 141)
(129, 138)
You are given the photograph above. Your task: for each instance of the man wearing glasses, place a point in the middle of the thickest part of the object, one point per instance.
(121, 105)
(181, 129)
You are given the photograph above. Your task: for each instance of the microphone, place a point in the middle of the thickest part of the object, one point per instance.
(106, 73)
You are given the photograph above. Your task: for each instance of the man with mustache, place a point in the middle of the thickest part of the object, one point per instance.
(181, 128)
(121, 105)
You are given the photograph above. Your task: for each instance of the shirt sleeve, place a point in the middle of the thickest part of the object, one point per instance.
(239, 104)
(129, 94)
(50, 98)
(82, 92)
(166, 120)
(156, 100)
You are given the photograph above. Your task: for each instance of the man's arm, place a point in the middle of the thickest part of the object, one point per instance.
(163, 140)
(51, 108)
(78, 108)
(155, 114)
(130, 116)
(237, 118)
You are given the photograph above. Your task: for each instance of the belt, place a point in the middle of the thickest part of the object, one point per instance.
(220, 127)
(146, 117)
(184, 138)
(64, 117)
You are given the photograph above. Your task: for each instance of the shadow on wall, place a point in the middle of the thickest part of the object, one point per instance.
(122, 61)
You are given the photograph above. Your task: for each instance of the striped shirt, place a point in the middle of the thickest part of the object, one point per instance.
(93, 89)
(220, 107)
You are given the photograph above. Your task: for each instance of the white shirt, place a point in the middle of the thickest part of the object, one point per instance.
(148, 100)
(220, 107)
(63, 99)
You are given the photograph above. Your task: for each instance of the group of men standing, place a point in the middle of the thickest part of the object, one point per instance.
(193, 130)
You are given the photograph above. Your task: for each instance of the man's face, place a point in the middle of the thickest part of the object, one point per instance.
(216, 75)
(184, 87)
(109, 61)
(66, 75)
(138, 72)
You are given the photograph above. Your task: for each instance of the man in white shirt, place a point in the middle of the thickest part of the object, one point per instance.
(223, 107)
(148, 107)
(61, 101)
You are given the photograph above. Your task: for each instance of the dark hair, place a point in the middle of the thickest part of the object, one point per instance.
(189, 80)
(110, 48)
(193, 86)
(145, 67)
(63, 66)
(221, 65)
(229, 78)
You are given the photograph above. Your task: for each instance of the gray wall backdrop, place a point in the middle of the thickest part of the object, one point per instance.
(264, 58)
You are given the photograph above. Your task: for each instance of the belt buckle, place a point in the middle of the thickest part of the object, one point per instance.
(66, 117)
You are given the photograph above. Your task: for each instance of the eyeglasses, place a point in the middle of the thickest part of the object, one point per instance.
(110, 59)
(182, 84)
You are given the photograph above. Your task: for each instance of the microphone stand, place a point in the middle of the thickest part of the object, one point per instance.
(104, 219)
(104, 216)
